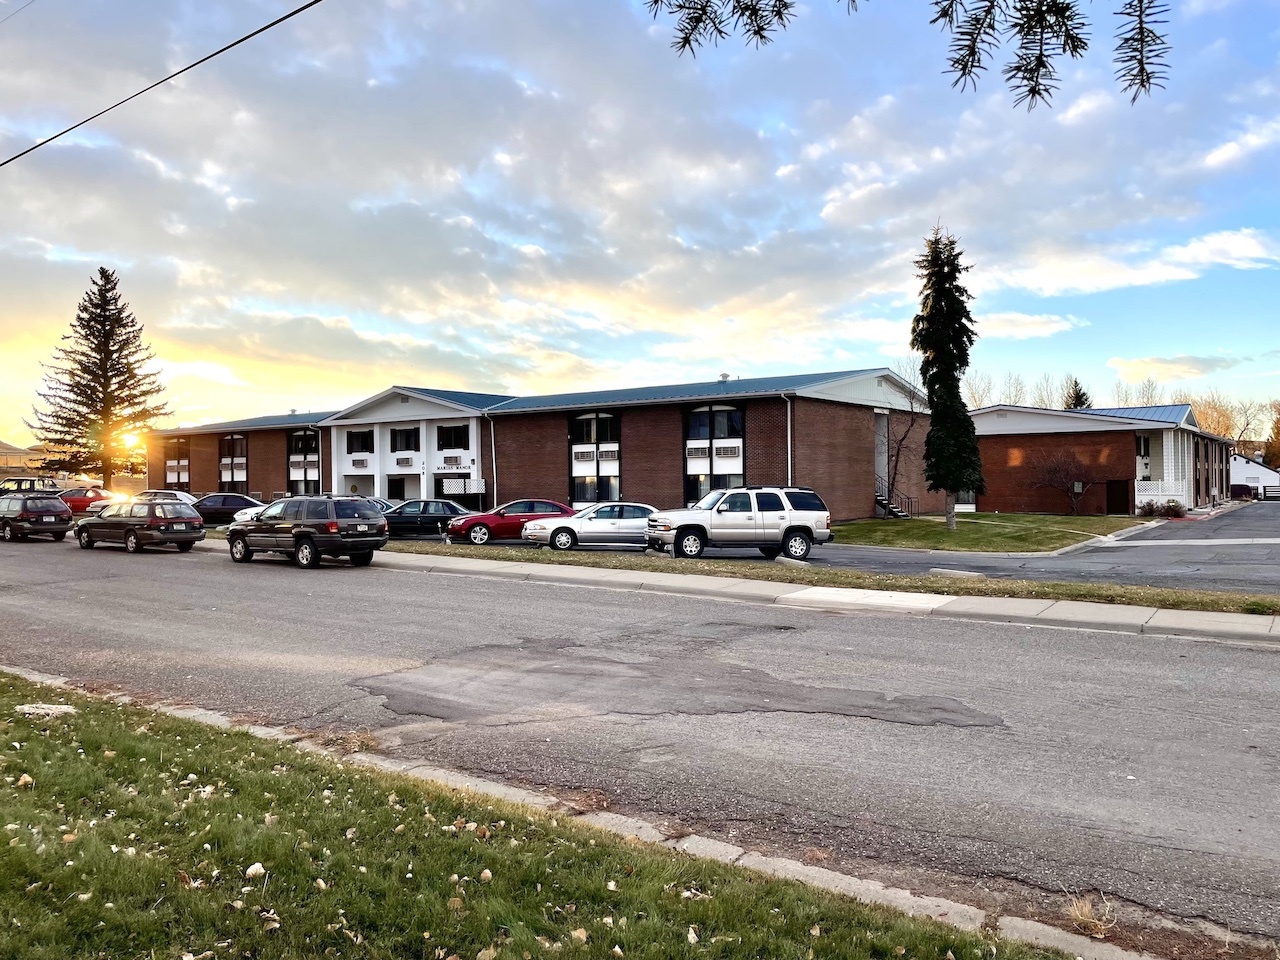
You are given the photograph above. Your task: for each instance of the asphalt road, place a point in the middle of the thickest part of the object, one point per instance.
(1144, 766)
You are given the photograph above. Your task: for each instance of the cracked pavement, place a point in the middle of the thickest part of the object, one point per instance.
(1147, 767)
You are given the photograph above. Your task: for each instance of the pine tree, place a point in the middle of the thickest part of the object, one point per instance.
(96, 393)
(942, 333)
(1075, 397)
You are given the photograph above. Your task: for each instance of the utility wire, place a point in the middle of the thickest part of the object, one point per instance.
(190, 66)
(18, 11)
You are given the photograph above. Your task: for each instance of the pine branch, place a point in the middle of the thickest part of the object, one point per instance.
(1045, 30)
(974, 39)
(1141, 47)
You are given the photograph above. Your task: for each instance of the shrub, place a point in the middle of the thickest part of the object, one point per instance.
(1175, 509)
(1147, 509)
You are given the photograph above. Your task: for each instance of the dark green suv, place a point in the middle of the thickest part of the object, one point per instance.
(308, 528)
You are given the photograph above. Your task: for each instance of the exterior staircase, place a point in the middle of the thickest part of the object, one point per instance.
(898, 506)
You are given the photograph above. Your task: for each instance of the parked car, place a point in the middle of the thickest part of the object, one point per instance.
(150, 496)
(22, 515)
(506, 522)
(248, 513)
(95, 507)
(222, 508)
(79, 499)
(308, 528)
(603, 523)
(381, 504)
(30, 485)
(138, 524)
(423, 518)
(777, 520)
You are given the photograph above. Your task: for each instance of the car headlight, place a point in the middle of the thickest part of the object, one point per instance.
(535, 526)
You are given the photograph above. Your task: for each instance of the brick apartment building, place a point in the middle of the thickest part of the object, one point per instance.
(1122, 456)
(666, 445)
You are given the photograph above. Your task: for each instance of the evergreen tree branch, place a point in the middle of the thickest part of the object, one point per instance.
(1141, 47)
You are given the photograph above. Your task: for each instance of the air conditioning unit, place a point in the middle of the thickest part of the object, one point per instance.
(584, 454)
(297, 464)
(404, 461)
(453, 461)
(699, 452)
(608, 455)
(728, 451)
(359, 463)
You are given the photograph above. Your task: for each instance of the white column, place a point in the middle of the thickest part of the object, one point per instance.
(426, 459)
(335, 466)
(379, 443)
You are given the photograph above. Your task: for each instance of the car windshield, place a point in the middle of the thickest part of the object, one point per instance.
(709, 501)
(805, 500)
(55, 505)
(586, 511)
(355, 510)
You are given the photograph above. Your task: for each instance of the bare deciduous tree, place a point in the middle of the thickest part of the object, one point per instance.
(907, 428)
(1250, 419)
(1212, 410)
(977, 389)
(1149, 393)
(1046, 392)
(1066, 473)
(1122, 394)
(1014, 390)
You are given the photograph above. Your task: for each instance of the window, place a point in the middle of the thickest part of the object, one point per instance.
(273, 511)
(176, 511)
(727, 424)
(303, 442)
(439, 508)
(410, 438)
(317, 510)
(808, 500)
(711, 423)
(233, 446)
(292, 510)
(177, 464)
(359, 441)
(542, 506)
(769, 501)
(233, 466)
(632, 512)
(140, 510)
(1144, 446)
(737, 503)
(612, 512)
(453, 438)
(519, 506)
(355, 510)
(594, 428)
(411, 509)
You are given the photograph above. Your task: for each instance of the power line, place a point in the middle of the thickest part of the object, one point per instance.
(18, 11)
(190, 66)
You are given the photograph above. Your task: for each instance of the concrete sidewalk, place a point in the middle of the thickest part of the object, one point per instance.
(1062, 613)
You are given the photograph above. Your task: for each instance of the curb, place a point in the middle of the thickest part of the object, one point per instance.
(1071, 614)
(633, 829)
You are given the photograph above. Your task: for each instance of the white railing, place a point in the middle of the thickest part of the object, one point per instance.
(1160, 490)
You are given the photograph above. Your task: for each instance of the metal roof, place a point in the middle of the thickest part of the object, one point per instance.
(476, 401)
(753, 386)
(253, 423)
(1163, 413)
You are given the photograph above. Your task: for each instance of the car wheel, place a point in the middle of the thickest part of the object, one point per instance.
(85, 540)
(479, 534)
(7, 533)
(240, 551)
(690, 544)
(306, 556)
(184, 547)
(132, 544)
(563, 539)
(797, 545)
(362, 559)
(771, 552)
(58, 537)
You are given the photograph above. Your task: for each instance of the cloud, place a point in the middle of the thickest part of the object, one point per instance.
(1085, 106)
(1242, 249)
(1258, 135)
(1166, 369)
(1024, 326)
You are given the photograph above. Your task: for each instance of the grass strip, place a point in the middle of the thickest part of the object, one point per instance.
(132, 834)
(1162, 597)
(995, 532)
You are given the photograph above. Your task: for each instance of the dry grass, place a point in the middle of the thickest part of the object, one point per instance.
(347, 741)
(1162, 597)
(1094, 920)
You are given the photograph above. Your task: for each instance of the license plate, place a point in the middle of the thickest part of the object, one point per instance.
(49, 519)
(179, 526)
(362, 528)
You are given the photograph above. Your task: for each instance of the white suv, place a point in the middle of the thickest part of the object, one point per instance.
(778, 520)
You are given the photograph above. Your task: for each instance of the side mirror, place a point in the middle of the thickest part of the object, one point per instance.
(722, 508)
(502, 513)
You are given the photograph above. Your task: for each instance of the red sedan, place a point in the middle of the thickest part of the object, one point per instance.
(79, 499)
(505, 523)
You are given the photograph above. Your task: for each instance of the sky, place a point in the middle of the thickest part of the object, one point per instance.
(536, 196)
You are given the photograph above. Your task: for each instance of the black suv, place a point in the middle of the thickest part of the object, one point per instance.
(24, 514)
(308, 528)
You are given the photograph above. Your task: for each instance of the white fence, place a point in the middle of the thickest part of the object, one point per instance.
(1162, 490)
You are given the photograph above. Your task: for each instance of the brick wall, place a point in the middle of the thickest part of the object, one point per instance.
(1010, 468)
(835, 452)
(766, 442)
(910, 480)
(268, 465)
(652, 462)
(533, 456)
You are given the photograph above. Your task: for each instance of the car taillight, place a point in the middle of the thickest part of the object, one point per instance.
(24, 515)
(332, 526)
(156, 522)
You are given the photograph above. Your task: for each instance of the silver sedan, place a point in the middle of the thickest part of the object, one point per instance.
(617, 523)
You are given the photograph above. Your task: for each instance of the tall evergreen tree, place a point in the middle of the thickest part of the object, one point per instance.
(96, 393)
(942, 333)
(1076, 397)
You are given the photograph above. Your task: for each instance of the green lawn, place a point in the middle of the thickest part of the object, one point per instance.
(129, 834)
(995, 532)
